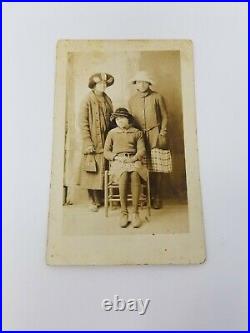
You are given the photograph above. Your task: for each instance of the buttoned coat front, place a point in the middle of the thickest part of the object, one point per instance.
(150, 114)
(94, 124)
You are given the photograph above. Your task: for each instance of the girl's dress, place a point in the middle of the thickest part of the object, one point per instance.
(125, 143)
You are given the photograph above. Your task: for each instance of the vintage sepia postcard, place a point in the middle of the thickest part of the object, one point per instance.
(125, 183)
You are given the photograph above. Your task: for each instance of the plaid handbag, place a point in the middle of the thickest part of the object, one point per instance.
(160, 160)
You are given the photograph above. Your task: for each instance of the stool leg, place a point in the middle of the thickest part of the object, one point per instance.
(148, 196)
(141, 197)
(106, 203)
(111, 196)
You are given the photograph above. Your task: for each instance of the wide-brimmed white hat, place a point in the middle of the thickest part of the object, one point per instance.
(142, 76)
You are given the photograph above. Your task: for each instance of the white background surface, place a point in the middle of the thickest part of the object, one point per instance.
(212, 296)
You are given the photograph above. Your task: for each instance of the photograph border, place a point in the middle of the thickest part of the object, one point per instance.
(183, 248)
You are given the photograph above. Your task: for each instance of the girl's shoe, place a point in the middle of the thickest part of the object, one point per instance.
(136, 221)
(123, 220)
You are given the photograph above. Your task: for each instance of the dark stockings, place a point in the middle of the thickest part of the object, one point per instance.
(156, 185)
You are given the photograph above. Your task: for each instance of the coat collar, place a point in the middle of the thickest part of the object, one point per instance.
(94, 99)
(144, 94)
(129, 130)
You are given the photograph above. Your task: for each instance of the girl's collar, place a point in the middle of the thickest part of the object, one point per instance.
(130, 129)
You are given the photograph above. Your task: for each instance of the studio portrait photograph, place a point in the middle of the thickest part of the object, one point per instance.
(125, 166)
(123, 148)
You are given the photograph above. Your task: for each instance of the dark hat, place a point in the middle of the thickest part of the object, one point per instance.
(98, 77)
(121, 112)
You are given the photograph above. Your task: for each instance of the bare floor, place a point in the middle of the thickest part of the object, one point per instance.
(171, 219)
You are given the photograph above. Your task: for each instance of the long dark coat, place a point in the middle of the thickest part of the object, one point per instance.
(95, 124)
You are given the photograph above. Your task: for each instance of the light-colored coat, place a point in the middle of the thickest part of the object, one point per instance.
(94, 125)
(150, 114)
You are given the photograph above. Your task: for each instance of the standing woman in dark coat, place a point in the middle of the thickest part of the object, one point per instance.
(95, 115)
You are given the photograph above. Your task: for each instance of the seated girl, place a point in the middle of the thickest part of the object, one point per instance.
(124, 146)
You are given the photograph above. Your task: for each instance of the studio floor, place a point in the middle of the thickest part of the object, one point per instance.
(172, 218)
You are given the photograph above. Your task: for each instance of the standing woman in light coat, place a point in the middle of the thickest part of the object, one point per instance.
(95, 115)
(149, 111)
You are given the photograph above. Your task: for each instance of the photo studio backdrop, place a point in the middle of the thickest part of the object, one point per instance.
(163, 67)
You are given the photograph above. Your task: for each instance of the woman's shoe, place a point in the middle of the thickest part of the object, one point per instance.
(93, 207)
(98, 200)
(156, 204)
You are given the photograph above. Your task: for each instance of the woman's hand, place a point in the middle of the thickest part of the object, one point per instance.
(163, 132)
(162, 142)
(90, 150)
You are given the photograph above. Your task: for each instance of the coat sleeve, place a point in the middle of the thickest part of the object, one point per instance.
(130, 106)
(141, 151)
(131, 110)
(85, 126)
(110, 110)
(108, 147)
(163, 112)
